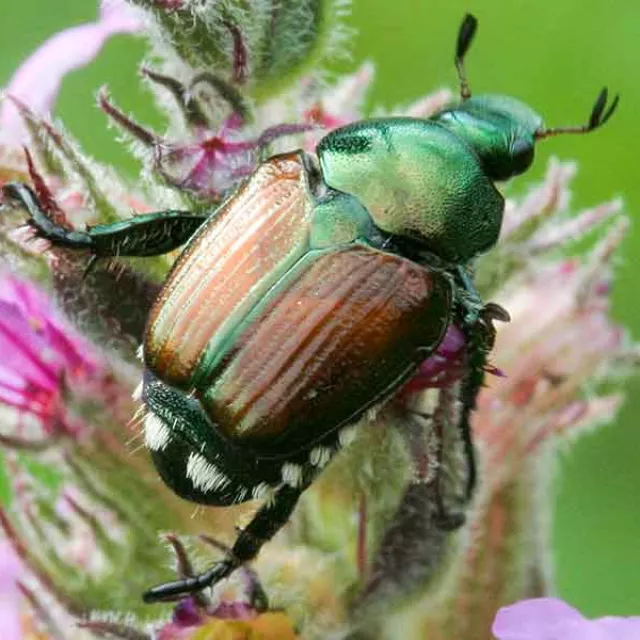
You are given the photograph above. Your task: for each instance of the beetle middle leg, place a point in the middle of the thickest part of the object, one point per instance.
(143, 235)
(479, 337)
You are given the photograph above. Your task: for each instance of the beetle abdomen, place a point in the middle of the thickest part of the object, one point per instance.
(237, 255)
(342, 332)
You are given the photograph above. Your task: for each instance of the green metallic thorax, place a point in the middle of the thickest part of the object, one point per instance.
(416, 179)
(433, 180)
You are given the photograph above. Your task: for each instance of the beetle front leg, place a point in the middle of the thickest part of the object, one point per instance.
(471, 301)
(265, 524)
(479, 337)
(144, 235)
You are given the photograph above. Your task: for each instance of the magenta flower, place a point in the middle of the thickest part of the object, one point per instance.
(210, 166)
(189, 616)
(444, 367)
(212, 161)
(552, 619)
(41, 357)
(10, 597)
(37, 81)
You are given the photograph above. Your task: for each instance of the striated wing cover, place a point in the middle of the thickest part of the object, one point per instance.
(237, 255)
(344, 330)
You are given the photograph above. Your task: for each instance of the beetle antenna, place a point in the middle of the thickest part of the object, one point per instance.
(465, 37)
(599, 115)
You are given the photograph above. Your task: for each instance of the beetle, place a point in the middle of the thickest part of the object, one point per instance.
(312, 294)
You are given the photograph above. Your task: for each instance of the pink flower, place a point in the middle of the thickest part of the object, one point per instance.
(444, 367)
(211, 165)
(238, 610)
(237, 620)
(10, 597)
(552, 619)
(40, 356)
(38, 79)
(211, 162)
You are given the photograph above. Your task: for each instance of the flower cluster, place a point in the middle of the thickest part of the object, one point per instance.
(363, 555)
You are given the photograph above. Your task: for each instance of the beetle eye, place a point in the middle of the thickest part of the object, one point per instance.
(521, 155)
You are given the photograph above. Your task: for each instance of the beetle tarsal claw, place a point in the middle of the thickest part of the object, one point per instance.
(494, 311)
(176, 590)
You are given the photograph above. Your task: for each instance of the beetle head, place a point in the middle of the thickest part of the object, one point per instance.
(502, 130)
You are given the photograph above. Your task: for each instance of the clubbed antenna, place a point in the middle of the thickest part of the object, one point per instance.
(465, 37)
(597, 118)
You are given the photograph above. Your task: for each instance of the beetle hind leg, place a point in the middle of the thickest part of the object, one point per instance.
(265, 524)
(216, 472)
(479, 337)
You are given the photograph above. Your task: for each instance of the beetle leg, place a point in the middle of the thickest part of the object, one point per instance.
(265, 524)
(178, 588)
(147, 234)
(479, 337)
(471, 301)
(257, 596)
(468, 402)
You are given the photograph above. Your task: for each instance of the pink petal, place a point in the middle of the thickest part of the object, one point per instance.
(38, 79)
(24, 351)
(619, 628)
(10, 569)
(36, 309)
(39, 353)
(535, 619)
(552, 619)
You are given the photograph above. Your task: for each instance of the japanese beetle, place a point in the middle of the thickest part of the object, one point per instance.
(312, 294)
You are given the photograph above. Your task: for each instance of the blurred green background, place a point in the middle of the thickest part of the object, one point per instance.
(554, 55)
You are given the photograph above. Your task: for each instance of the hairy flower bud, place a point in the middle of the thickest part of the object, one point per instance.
(263, 45)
